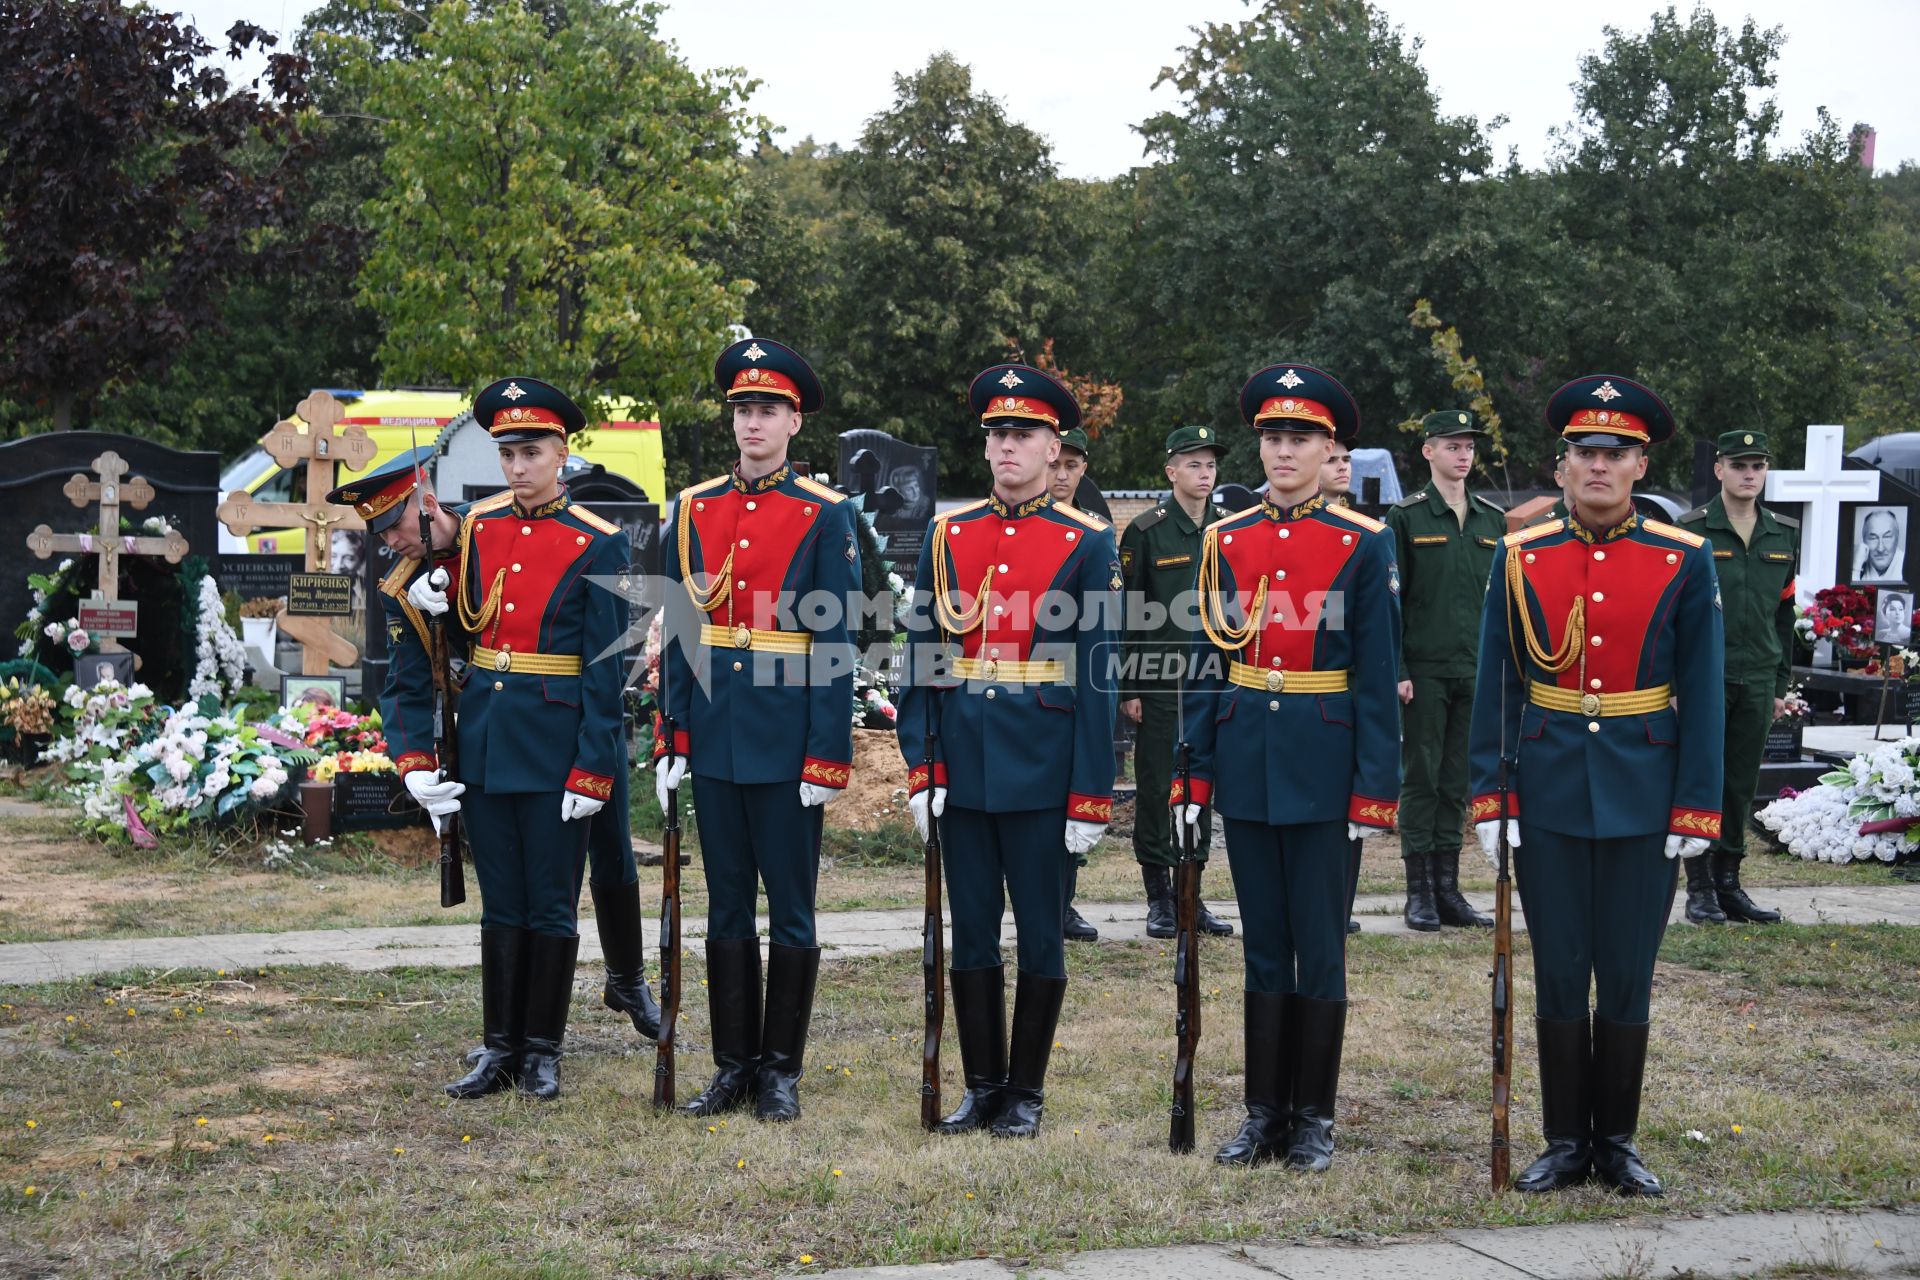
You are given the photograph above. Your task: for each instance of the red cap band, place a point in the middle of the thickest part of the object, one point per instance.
(1021, 407)
(1615, 421)
(527, 419)
(763, 381)
(1297, 408)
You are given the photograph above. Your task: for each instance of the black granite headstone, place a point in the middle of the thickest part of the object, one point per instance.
(1783, 742)
(899, 484)
(255, 577)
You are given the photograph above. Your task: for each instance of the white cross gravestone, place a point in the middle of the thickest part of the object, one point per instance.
(1822, 485)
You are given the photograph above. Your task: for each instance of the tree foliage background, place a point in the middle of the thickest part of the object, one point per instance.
(485, 185)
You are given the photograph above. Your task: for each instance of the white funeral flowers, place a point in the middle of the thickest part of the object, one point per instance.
(1823, 822)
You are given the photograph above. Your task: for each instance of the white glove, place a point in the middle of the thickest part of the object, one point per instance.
(1357, 832)
(432, 791)
(428, 593)
(1489, 833)
(1082, 836)
(574, 806)
(812, 795)
(1186, 821)
(1686, 846)
(934, 797)
(667, 774)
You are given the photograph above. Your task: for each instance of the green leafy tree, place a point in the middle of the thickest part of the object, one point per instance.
(551, 177)
(1890, 356)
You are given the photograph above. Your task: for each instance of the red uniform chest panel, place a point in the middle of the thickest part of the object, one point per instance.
(1623, 582)
(1026, 554)
(1300, 560)
(765, 533)
(536, 555)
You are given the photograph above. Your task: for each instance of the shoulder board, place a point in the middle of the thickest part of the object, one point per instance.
(1354, 517)
(397, 579)
(1149, 518)
(1412, 499)
(704, 487)
(945, 516)
(1072, 512)
(1788, 521)
(587, 517)
(494, 503)
(1698, 513)
(1533, 531)
(1673, 531)
(1488, 503)
(1254, 510)
(825, 492)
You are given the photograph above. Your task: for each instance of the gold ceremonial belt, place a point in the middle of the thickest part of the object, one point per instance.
(1248, 676)
(1634, 702)
(527, 664)
(747, 638)
(1009, 671)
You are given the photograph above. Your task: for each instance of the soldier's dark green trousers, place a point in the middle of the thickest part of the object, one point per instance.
(1433, 764)
(993, 857)
(1291, 883)
(1155, 747)
(1596, 911)
(1749, 716)
(609, 842)
(527, 860)
(753, 834)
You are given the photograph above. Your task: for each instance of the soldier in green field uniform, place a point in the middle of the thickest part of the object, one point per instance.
(1754, 554)
(1159, 558)
(1445, 539)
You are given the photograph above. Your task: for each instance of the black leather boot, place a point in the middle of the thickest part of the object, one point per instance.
(502, 955)
(980, 1016)
(1208, 923)
(1319, 1033)
(1036, 1015)
(549, 995)
(1619, 1067)
(1420, 912)
(1353, 881)
(1566, 1108)
(1733, 899)
(1703, 900)
(792, 975)
(1160, 919)
(1451, 905)
(1263, 1135)
(616, 914)
(1075, 927)
(733, 1002)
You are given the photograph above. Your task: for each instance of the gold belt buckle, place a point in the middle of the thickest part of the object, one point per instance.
(502, 660)
(743, 637)
(990, 669)
(1589, 704)
(1276, 681)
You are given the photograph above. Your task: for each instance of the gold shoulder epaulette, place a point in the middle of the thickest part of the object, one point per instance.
(825, 492)
(945, 516)
(492, 502)
(395, 583)
(1673, 531)
(1247, 511)
(1360, 518)
(699, 490)
(1072, 512)
(601, 523)
(1533, 531)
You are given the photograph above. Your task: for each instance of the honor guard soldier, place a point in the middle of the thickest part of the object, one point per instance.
(760, 687)
(1600, 679)
(1010, 646)
(387, 501)
(1445, 538)
(1159, 556)
(1294, 729)
(1754, 554)
(539, 591)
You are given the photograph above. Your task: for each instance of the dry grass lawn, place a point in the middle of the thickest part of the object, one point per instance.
(328, 1149)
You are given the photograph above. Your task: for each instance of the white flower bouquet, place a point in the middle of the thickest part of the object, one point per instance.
(1869, 811)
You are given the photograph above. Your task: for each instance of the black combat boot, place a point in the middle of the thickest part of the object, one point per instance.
(1566, 1107)
(1319, 1033)
(616, 914)
(1353, 881)
(1733, 899)
(1160, 918)
(1208, 923)
(733, 1003)
(1703, 900)
(1036, 1014)
(980, 1016)
(1452, 905)
(1421, 913)
(1619, 1067)
(497, 1062)
(549, 995)
(792, 975)
(1075, 927)
(1263, 1135)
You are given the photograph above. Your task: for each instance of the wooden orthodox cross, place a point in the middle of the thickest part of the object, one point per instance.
(109, 543)
(320, 448)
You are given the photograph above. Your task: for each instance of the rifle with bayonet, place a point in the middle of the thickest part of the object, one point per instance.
(933, 947)
(1186, 965)
(1502, 972)
(669, 927)
(446, 744)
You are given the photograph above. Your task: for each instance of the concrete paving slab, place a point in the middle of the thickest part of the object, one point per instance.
(1194, 1262)
(1414, 1260)
(973, 1269)
(1760, 1242)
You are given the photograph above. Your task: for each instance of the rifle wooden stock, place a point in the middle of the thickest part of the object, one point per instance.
(663, 1081)
(446, 748)
(1186, 971)
(933, 948)
(1501, 1167)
